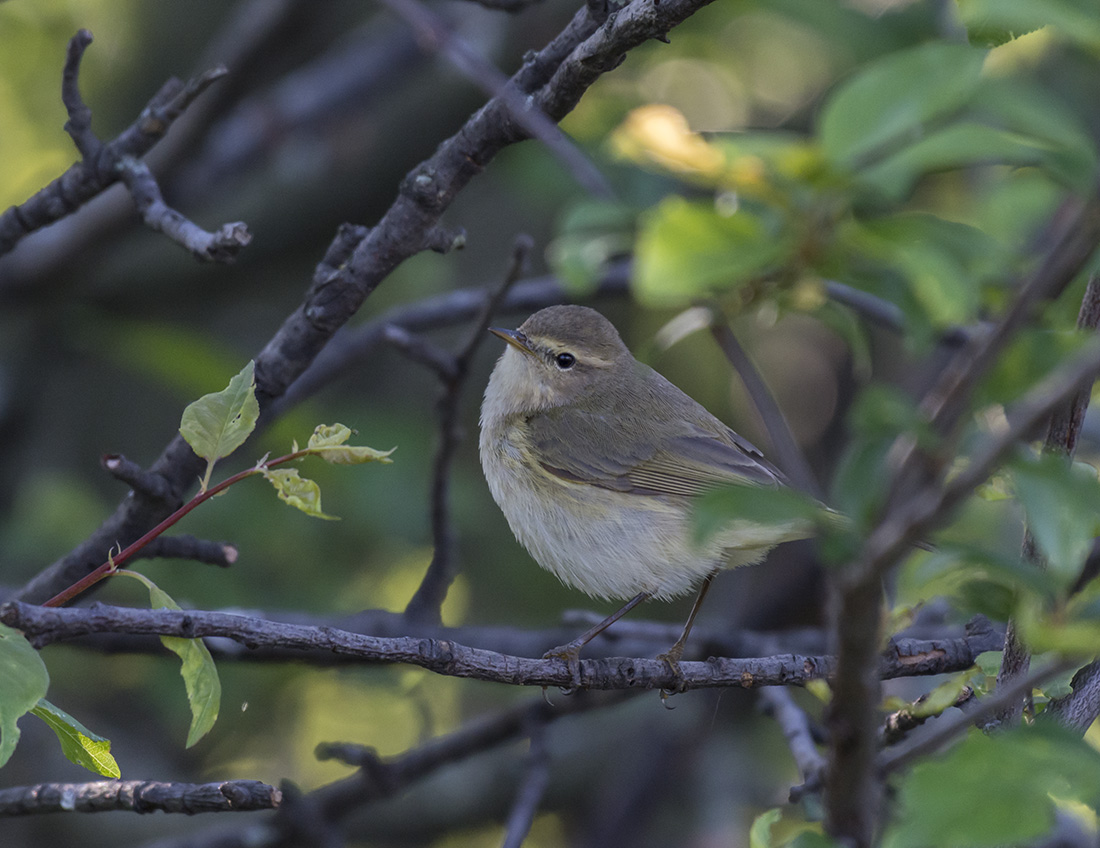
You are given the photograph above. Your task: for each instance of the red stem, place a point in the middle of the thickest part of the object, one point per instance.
(111, 565)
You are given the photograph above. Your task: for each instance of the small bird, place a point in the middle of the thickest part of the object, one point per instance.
(595, 460)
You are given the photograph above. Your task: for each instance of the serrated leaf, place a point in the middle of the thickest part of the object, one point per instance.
(25, 681)
(298, 491)
(200, 675)
(217, 424)
(328, 440)
(1007, 781)
(995, 22)
(79, 745)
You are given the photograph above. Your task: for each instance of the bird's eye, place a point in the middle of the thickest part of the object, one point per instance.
(565, 361)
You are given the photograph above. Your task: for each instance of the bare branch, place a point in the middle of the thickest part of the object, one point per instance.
(222, 246)
(787, 452)
(427, 601)
(79, 125)
(555, 77)
(906, 658)
(529, 796)
(98, 168)
(434, 34)
(1062, 432)
(129, 472)
(185, 546)
(139, 796)
(795, 724)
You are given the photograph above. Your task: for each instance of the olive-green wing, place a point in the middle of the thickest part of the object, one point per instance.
(678, 458)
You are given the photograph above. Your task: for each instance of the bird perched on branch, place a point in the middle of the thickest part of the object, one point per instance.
(596, 459)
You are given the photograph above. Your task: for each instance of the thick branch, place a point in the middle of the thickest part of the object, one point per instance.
(139, 796)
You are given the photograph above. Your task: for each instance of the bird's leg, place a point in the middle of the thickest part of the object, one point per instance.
(571, 651)
(673, 654)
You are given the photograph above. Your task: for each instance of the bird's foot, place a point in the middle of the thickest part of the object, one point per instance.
(671, 658)
(570, 654)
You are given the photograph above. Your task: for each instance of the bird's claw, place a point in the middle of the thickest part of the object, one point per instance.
(570, 654)
(671, 658)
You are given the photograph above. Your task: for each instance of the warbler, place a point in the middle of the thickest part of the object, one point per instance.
(595, 460)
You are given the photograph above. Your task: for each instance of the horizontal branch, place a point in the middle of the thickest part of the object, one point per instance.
(904, 658)
(139, 796)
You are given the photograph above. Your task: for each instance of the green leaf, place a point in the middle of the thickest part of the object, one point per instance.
(686, 250)
(886, 105)
(200, 675)
(760, 834)
(994, 22)
(1007, 781)
(943, 262)
(1062, 502)
(78, 744)
(217, 424)
(752, 511)
(328, 440)
(298, 491)
(25, 681)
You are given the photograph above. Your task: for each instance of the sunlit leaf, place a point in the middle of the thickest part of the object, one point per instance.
(686, 250)
(24, 681)
(328, 440)
(993, 22)
(217, 424)
(200, 675)
(78, 744)
(298, 491)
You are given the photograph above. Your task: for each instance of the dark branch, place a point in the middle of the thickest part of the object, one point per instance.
(1062, 432)
(139, 796)
(151, 485)
(795, 724)
(185, 546)
(905, 658)
(427, 601)
(98, 168)
(222, 246)
(787, 453)
(434, 34)
(555, 78)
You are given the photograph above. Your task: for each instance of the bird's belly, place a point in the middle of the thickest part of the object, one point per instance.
(605, 543)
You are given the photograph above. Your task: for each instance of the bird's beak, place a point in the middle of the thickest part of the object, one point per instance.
(515, 338)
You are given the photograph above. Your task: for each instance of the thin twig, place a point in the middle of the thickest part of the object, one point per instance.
(434, 34)
(98, 169)
(427, 601)
(535, 780)
(222, 246)
(1062, 432)
(947, 729)
(795, 724)
(788, 455)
